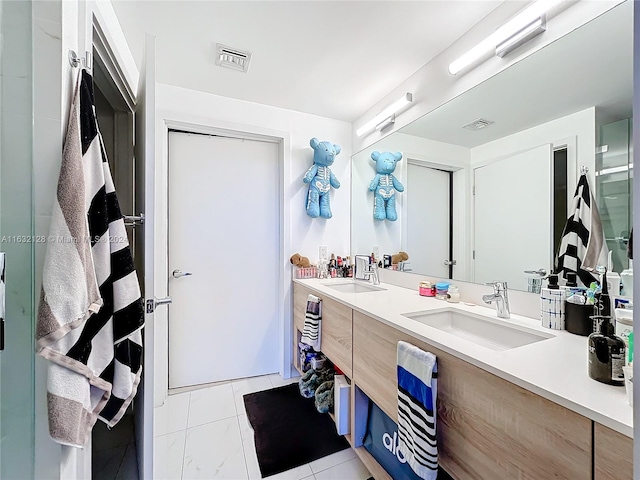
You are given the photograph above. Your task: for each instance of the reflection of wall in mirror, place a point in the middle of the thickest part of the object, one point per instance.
(366, 232)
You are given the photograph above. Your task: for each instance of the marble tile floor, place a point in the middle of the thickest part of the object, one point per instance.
(204, 434)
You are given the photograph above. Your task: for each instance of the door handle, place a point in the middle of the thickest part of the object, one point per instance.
(179, 273)
(152, 303)
(450, 262)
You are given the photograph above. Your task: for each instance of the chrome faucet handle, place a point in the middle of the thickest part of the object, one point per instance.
(497, 286)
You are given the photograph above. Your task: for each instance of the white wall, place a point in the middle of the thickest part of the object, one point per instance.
(433, 85)
(580, 125)
(365, 231)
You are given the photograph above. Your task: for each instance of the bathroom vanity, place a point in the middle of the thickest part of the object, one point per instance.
(523, 408)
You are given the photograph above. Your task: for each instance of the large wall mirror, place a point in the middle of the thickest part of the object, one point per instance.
(490, 175)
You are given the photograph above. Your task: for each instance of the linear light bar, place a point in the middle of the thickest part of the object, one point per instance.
(512, 28)
(390, 111)
(527, 33)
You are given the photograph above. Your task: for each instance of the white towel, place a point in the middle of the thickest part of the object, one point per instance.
(91, 311)
(583, 246)
(311, 332)
(417, 392)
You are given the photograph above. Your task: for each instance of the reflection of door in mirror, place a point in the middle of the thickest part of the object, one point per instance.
(429, 223)
(512, 227)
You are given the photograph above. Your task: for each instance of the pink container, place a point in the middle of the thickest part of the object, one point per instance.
(427, 289)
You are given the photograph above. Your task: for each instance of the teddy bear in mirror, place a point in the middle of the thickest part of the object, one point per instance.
(385, 185)
(320, 178)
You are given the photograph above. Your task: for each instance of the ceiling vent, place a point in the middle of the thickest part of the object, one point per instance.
(232, 58)
(478, 124)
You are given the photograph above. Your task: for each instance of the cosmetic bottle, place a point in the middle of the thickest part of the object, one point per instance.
(454, 294)
(603, 300)
(606, 353)
(552, 304)
(626, 278)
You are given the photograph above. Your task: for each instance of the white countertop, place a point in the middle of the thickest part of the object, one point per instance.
(556, 368)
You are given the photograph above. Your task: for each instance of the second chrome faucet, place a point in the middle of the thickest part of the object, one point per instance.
(500, 297)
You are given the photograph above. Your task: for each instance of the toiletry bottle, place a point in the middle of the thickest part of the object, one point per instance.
(454, 294)
(603, 300)
(627, 282)
(606, 353)
(552, 304)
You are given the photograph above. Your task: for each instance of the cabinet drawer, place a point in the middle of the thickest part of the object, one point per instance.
(613, 454)
(488, 428)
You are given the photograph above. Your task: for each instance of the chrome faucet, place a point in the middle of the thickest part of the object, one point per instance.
(500, 297)
(366, 270)
(372, 273)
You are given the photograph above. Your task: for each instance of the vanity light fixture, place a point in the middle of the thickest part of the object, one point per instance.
(387, 116)
(521, 28)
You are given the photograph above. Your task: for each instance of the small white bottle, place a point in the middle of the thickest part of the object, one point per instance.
(627, 282)
(454, 294)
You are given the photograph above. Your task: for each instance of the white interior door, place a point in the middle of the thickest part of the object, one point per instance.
(428, 197)
(224, 230)
(512, 226)
(146, 199)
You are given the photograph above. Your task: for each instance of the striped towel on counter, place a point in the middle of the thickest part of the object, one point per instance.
(91, 312)
(312, 321)
(417, 391)
(583, 245)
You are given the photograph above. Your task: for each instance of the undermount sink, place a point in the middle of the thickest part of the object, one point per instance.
(353, 287)
(495, 334)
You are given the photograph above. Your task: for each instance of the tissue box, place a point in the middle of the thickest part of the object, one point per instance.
(341, 402)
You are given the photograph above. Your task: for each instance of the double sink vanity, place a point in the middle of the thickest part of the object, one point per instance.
(514, 399)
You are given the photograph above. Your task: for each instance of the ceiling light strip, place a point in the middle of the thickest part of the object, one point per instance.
(512, 28)
(388, 112)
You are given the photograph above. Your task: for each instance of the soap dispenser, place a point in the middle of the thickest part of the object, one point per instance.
(552, 304)
(606, 353)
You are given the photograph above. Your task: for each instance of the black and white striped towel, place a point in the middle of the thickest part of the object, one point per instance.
(91, 312)
(312, 321)
(417, 391)
(583, 246)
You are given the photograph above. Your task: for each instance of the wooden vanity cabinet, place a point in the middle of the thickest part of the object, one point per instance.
(613, 454)
(335, 341)
(488, 428)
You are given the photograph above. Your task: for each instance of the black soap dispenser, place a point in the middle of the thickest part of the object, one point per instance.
(606, 353)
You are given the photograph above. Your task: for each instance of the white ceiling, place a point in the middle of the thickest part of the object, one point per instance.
(335, 59)
(592, 66)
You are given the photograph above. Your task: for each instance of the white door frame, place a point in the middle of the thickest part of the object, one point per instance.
(165, 121)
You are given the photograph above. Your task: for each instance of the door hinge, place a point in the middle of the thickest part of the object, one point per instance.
(474, 190)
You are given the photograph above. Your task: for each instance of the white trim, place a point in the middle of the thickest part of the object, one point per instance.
(168, 120)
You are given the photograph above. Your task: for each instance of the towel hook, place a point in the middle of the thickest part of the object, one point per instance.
(584, 170)
(77, 61)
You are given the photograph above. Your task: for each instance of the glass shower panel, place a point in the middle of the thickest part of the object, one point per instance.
(614, 187)
(16, 229)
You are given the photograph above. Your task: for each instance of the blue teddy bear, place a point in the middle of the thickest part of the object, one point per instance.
(321, 179)
(385, 185)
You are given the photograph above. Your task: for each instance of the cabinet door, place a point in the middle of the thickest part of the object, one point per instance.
(613, 454)
(300, 295)
(335, 341)
(336, 334)
(488, 428)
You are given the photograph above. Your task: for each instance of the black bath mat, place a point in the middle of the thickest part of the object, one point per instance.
(289, 431)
